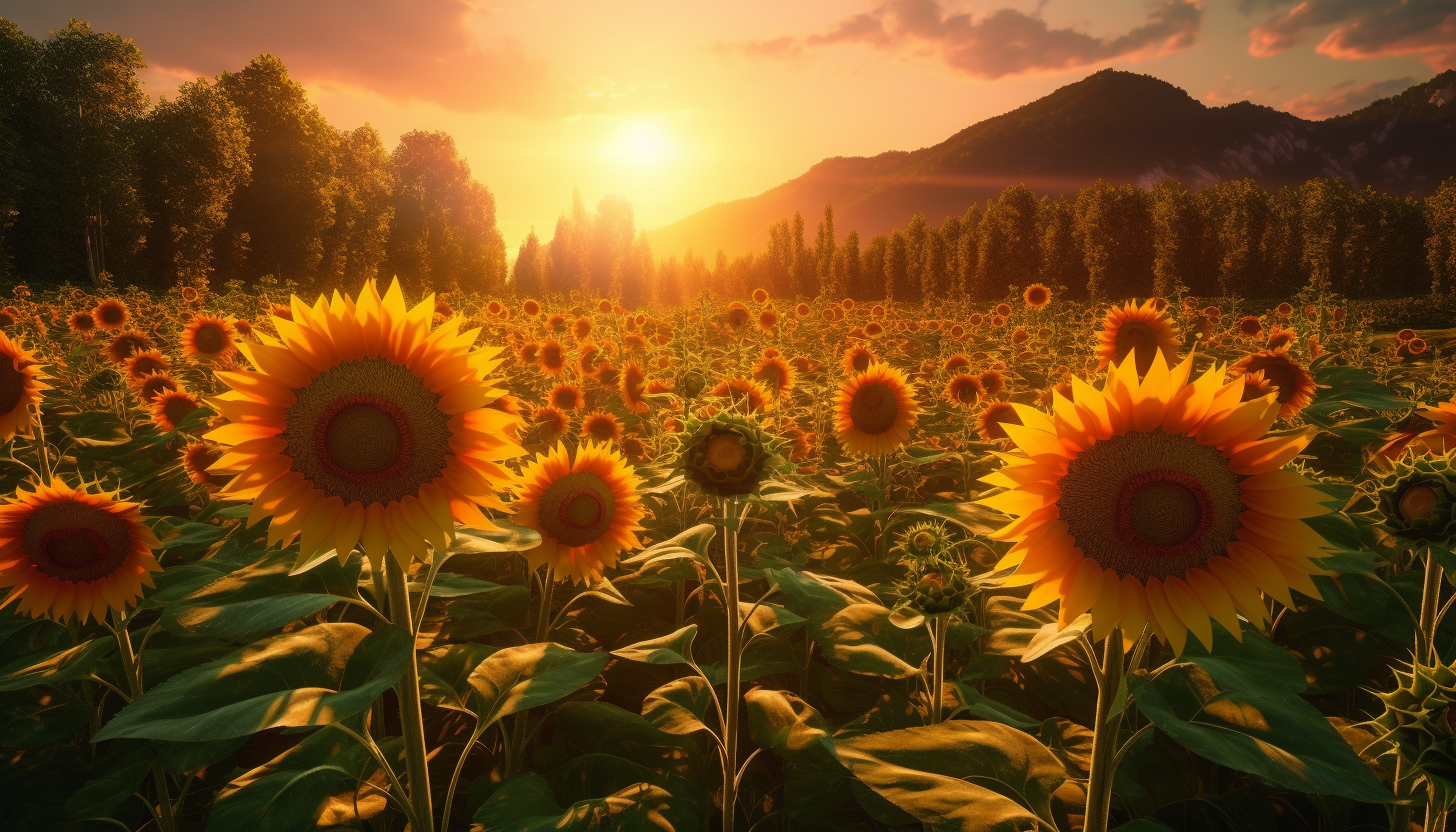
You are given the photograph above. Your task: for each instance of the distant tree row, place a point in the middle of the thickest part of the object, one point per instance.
(1107, 241)
(234, 179)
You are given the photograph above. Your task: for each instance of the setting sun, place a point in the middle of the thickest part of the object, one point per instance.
(642, 143)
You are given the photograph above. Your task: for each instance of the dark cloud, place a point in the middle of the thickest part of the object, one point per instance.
(1346, 97)
(1001, 43)
(1364, 29)
(421, 50)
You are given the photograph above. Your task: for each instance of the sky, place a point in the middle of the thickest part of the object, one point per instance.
(679, 104)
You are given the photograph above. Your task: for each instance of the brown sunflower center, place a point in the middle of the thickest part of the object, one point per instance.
(178, 408)
(1150, 505)
(210, 339)
(1282, 376)
(12, 383)
(923, 540)
(1137, 338)
(725, 452)
(860, 361)
(577, 509)
(874, 408)
(76, 542)
(367, 431)
(111, 315)
(1417, 502)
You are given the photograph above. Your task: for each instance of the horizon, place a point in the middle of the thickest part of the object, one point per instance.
(568, 96)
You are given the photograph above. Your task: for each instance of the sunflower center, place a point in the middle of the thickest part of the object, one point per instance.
(1150, 505)
(76, 542)
(577, 509)
(873, 408)
(177, 408)
(210, 338)
(111, 315)
(367, 431)
(1281, 376)
(923, 540)
(1417, 502)
(1137, 338)
(725, 452)
(12, 383)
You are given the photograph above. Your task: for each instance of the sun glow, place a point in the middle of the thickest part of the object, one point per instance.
(642, 144)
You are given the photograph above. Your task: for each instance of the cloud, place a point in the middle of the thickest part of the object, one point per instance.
(1346, 97)
(421, 50)
(994, 45)
(1364, 29)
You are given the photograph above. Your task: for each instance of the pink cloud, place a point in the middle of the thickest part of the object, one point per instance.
(998, 44)
(422, 50)
(1364, 29)
(1345, 98)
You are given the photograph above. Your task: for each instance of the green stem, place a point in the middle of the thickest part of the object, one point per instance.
(517, 759)
(132, 668)
(735, 664)
(1435, 818)
(1401, 813)
(937, 669)
(1104, 736)
(411, 715)
(1430, 601)
(455, 777)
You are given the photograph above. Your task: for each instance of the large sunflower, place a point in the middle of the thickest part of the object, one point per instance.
(1158, 502)
(586, 509)
(874, 410)
(362, 426)
(20, 387)
(1141, 331)
(66, 551)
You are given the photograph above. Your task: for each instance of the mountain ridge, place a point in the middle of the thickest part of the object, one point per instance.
(1117, 126)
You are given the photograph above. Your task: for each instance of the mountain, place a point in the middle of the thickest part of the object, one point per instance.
(1116, 126)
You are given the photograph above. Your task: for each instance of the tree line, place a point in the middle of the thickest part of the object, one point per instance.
(1107, 241)
(237, 178)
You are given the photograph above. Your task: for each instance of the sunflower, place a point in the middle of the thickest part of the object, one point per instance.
(874, 329)
(556, 322)
(776, 376)
(551, 358)
(737, 315)
(857, 359)
(588, 356)
(632, 385)
(154, 384)
(72, 552)
(1280, 338)
(745, 394)
(170, 408)
(363, 426)
(582, 328)
(530, 308)
(963, 390)
(957, 363)
(208, 337)
(127, 344)
(189, 294)
(1139, 330)
(992, 381)
(768, 320)
(1294, 383)
(1250, 326)
(20, 387)
(82, 323)
(197, 457)
(550, 421)
(1036, 296)
(143, 364)
(567, 397)
(601, 427)
(110, 314)
(992, 421)
(587, 509)
(1157, 502)
(874, 410)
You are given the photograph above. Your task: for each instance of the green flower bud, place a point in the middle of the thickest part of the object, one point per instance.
(935, 587)
(727, 454)
(1418, 498)
(1420, 720)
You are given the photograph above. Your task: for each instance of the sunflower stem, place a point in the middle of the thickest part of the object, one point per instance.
(1104, 736)
(132, 668)
(735, 664)
(1435, 818)
(937, 669)
(411, 715)
(1430, 601)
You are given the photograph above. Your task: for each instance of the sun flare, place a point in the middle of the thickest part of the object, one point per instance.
(643, 144)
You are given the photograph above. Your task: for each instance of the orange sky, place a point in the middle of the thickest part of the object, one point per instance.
(677, 104)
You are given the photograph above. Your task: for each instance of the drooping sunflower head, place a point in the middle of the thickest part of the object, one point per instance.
(171, 407)
(1418, 497)
(601, 427)
(208, 338)
(875, 410)
(197, 457)
(1157, 502)
(737, 315)
(857, 359)
(127, 344)
(776, 376)
(992, 420)
(745, 395)
(142, 364)
(110, 314)
(82, 323)
(633, 385)
(1036, 296)
(21, 383)
(1294, 384)
(727, 454)
(587, 509)
(963, 391)
(550, 422)
(361, 425)
(72, 552)
(1138, 330)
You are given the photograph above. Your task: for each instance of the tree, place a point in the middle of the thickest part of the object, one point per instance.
(1238, 214)
(1179, 260)
(1325, 209)
(279, 217)
(1283, 249)
(935, 278)
(824, 255)
(611, 246)
(848, 270)
(1062, 261)
(1009, 253)
(18, 54)
(1114, 225)
(897, 275)
(444, 234)
(874, 278)
(1441, 245)
(355, 244)
(910, 289)
(801, 267)
(526, 274)
(968, 250)
(194, 157)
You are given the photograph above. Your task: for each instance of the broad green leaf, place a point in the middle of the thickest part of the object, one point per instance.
(961, 775)
(455, 585)
(680, 706)
(971, 516)
(1052, 635)
(445, 675)
(121, 773)
(524, 803)
(55, 668)
(96, 429)
(981, 706)
(248, 617)
(40, 715)
(1275, 735)
(506, 537)
(862, 638)
(520, 678)
(814, 780)
(1255, 663)
(314, 676)
(817, 597)
(673, 648)
(260, 597)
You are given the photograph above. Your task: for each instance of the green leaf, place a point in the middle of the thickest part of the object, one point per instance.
(963, 775)
(455, 585)
(520, 678)
(314, 676)
(862, 638)
(1255, 663)
(1281, 738)
(1052, 635)
(673, 648)
(259, 597)
(524, 803)
(817, 597)
(122, 771)
(981, 706)
(680, 706)
(248, 617)
(96, 429)
(506, 537)
(814, 780)
(971, 516)
(445, 675)
(45, 667)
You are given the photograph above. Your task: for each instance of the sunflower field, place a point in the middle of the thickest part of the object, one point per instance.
(370, 562)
